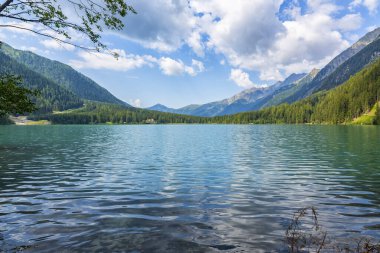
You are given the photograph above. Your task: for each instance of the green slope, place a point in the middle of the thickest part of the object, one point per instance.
(63, 75)
(52, 96)
(341, 105)
(366, 56)
(369, 118)
(339, 70)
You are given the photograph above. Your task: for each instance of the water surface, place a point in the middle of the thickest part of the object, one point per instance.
(182, 188)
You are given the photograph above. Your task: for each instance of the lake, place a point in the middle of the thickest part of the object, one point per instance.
(183, 188)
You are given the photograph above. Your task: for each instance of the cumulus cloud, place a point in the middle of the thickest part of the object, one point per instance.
(31, 49)
(21, 28)
(234, 30)
(136, 102)
(195, 42)
(371, 5)
(249, 35)
(172, 67)
(126, 62)
(164, 25)
(263, 43)
(99, 60)
(274, 48)
(53, 44)
(241, 78)
(310, 41)
(350, 22)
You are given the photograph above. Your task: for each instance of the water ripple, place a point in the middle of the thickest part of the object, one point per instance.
(182, 188)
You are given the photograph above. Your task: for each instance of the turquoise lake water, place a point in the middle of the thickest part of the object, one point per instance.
(183, 188)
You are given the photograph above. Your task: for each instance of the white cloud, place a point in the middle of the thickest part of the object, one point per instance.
(310, 41)
(241, 78)
(232, 28)
(136, 102)
(371, 5)
(248, 34)
(172, 67)
(163, 25)
(350, 22)
(31, 49)
(195, 42)
(124, 62)
(197, 66)
(263, 43)
(53, 44)
(19, 27)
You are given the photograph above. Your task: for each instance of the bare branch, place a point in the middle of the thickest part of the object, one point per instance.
(5, 5)
(49, 36)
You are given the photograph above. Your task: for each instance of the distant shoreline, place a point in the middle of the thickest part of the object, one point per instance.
(24, 121)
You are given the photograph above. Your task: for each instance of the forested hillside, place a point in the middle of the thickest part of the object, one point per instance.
(366, 56)
(337, 106)
(52, 96)
(100, 113)
(62, 74)
(341, 74)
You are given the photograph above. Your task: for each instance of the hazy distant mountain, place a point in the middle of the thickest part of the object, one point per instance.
(61, 74)
(161, 108)
(280, 95)
(244, 101)
(249, 100)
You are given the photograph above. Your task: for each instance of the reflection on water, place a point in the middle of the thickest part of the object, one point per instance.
(182, 188)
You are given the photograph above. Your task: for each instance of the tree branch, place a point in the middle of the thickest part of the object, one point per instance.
(50, 36)
(5, 5)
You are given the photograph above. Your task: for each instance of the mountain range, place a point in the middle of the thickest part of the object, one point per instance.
(296, 86)
(62, 88)
(244, 101)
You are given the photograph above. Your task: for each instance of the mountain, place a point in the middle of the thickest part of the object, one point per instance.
(279, 96)
(61, 74)
(53, 97)
(161, 108)
(366, 56)
(347, 54)
(346, 64)
(244, 101)
(352, 100)
(341, 105)
(296, 87)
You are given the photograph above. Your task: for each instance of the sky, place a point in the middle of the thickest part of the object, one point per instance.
(181, 52)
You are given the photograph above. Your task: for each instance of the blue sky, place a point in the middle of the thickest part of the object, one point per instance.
(181, 52)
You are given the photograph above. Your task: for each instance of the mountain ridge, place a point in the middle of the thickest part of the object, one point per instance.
(62, 74)
(337, 71)
(243, 101)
